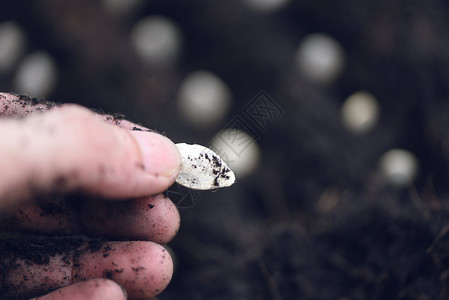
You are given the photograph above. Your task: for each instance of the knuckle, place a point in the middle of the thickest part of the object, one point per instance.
(78, 125)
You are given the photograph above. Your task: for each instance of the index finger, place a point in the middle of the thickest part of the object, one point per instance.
(68, 148)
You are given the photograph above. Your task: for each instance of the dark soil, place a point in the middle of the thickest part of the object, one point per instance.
(314, 221)
(39, 250)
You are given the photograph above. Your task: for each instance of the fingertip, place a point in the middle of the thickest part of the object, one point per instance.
(158, 219)
(159, 258)
(160, 156)
(154, 218)
(166, 219)
(143, 268)
(97, 288)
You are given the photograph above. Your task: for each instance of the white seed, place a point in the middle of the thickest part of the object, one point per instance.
(12, 45)
(157, 40)
(202, 168)
(320, 58)
(204, 99)
(399, 167)
(360, 112)
(36, 75)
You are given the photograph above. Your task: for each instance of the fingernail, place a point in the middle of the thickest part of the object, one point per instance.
(160, 155)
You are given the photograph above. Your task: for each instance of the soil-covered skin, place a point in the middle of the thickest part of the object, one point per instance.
(18, 249)
(315, 221)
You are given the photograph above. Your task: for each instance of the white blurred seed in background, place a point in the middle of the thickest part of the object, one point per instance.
(238, 149)
(360, 112)
(399, 167)
(320, 58)
(266, 5)
(204, 99)
(12, 45)
(36, 75)
(157, 40)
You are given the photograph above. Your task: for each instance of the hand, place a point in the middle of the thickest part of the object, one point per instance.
(65, 175)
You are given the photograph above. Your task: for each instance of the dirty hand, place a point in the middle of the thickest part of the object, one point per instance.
(65, 175)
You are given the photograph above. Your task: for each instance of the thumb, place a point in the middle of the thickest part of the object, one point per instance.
(69, 148)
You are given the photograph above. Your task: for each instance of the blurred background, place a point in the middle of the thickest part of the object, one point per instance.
(334, 115)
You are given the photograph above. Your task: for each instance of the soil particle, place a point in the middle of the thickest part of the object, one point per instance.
(109, 274)
(137, 269)
(51, 209)
(216, 161)
(140, 165)
(66, 259)
(96, 244)
(32, 101)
